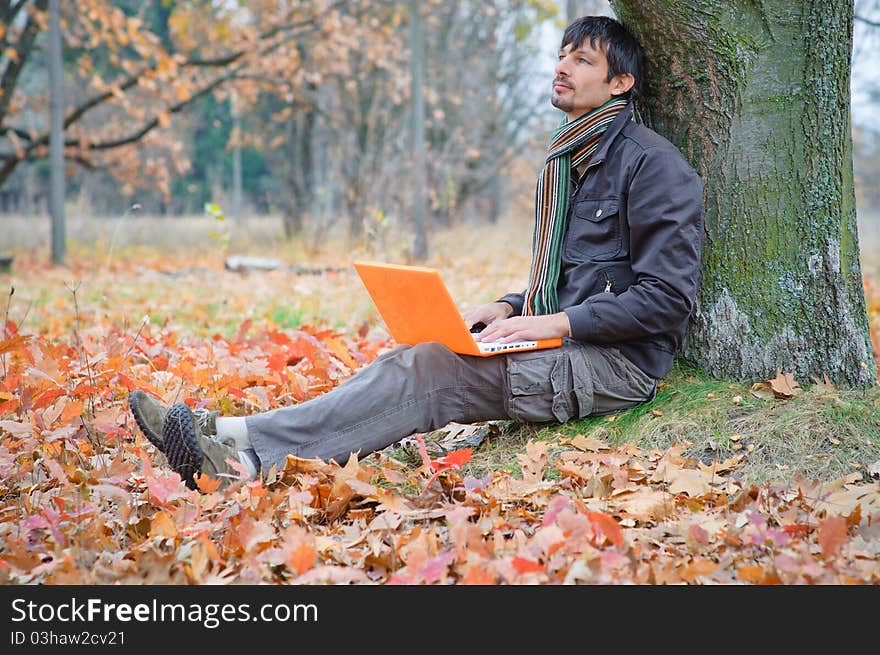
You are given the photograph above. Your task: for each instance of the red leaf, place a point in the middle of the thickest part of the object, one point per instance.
(48, 397)
(523, 565)
(278, 361)
(456, 458)
(9, 406)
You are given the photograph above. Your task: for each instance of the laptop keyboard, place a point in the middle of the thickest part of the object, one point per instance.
(497, 346)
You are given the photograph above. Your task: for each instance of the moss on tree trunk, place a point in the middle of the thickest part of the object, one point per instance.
(756, 95)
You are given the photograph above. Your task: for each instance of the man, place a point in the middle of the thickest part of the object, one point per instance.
(615, 269)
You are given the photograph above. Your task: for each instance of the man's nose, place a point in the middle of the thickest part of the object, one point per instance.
(562, 69)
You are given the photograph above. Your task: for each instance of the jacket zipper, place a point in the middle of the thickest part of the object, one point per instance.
(607, 283)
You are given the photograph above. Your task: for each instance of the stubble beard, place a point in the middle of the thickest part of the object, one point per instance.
(561, 103)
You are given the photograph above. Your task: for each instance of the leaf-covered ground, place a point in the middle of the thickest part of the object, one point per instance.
(84, 498)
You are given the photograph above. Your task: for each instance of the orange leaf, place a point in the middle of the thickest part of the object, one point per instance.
(832, 535)
(609, 528)
(131, 385)
(523, 565)
(162, 526)
(478, 575)
(207, 484)
(71, 410)
(750, 573)
(302, 558)
(15, 343)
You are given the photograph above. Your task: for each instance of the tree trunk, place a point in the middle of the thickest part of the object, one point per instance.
(757, 97)
(56, 140)
(419, 188)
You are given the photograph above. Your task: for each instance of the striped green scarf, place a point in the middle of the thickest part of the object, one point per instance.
(572, 145)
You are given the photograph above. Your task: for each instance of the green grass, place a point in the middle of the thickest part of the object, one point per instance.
(823, 433)
(286, 317)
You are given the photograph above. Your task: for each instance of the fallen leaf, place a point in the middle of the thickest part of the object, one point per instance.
(524, 566)
(690, 481)
(590, 444)
(832, 535)
(162, 525)
(784, 385)
(762, 391)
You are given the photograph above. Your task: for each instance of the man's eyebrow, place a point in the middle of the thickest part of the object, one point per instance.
(580, 51)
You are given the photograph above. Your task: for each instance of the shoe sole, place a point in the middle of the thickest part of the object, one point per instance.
(182, 449)
(151, 436)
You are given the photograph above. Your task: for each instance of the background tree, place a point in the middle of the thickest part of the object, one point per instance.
(127, 80)
(338, 134)
(757, 96)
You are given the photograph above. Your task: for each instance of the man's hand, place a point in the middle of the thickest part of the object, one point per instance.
(529, 328)
(488, 313)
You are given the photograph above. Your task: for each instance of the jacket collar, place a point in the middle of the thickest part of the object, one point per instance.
(616, 127)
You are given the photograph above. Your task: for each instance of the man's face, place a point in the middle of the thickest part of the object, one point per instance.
(581, 84)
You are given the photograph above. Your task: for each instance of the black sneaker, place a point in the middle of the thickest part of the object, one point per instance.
(149, 414)
(189, 453)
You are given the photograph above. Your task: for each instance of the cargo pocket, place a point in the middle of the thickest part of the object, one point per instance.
(582, 381)
(541, 387)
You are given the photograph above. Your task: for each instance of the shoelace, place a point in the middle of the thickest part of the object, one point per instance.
(202, 415)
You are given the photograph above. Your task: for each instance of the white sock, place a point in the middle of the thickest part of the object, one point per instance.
(235, 428)
(246, 459)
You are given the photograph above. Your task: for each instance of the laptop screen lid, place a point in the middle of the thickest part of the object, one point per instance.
(417, 308)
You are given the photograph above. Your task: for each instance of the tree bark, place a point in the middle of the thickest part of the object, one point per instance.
(757, 97)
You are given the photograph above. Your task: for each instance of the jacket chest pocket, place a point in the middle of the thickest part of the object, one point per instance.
(594, 229)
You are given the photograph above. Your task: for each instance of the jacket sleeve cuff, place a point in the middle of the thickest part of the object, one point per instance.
(580, 317)
(515, 300)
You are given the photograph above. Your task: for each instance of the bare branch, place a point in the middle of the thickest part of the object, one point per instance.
(867, 21)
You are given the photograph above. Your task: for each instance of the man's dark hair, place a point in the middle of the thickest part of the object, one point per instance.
(621, 48)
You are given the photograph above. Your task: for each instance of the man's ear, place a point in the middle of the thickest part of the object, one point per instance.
(622, 83)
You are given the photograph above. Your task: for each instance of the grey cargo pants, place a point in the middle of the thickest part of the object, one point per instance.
(424, 387)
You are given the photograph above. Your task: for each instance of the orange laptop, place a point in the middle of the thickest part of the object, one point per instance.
(417, 308)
